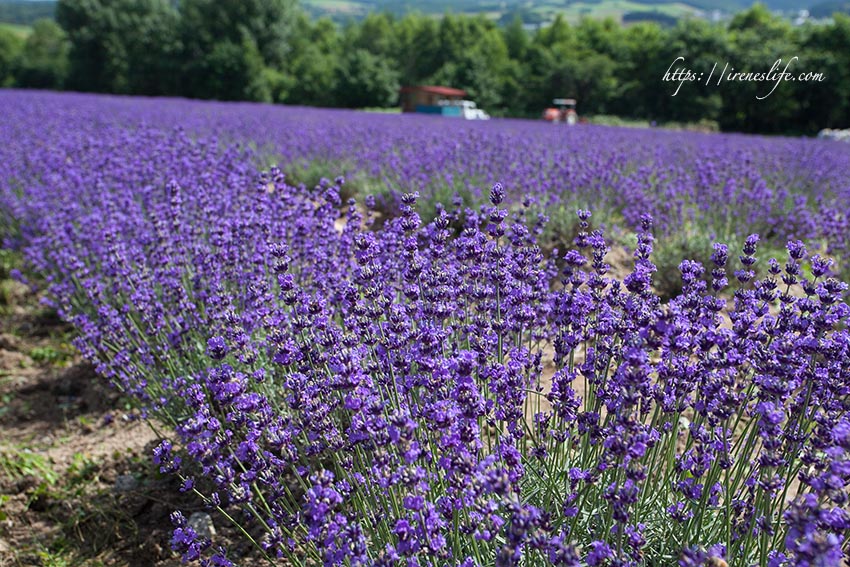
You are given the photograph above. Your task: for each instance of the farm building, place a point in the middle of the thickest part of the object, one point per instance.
(414, 98)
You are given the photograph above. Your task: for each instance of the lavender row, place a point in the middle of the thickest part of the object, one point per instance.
(722, 186)
(403, 392)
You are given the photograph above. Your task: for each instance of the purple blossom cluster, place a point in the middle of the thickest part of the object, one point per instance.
(353, 388)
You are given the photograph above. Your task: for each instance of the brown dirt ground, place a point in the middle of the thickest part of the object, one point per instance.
(65, 437)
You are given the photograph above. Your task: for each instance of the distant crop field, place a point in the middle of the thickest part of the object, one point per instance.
(339, 10)
(574, 11)
(19, 30)
(544, 10)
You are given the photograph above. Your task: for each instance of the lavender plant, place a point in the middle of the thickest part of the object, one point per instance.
(441, 391)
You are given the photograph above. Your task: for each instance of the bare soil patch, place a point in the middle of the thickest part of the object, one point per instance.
(65, 439)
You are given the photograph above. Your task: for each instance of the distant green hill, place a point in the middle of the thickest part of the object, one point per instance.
(17, 29)
(539, 11)
(25, 13)
(826, 9)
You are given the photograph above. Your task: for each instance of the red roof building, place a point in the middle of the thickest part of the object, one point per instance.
(411, 96)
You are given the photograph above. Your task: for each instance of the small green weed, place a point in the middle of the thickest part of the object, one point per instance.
(82, 470)
(3, 499)
(9, 260)
(17, 463)
(50, 355)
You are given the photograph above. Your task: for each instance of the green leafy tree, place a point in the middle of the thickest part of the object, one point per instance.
(758, 40)
(512, 89)
(268, 23)
(478, 64)
(311, 67)
(366, 80)
(516, 39)
(418, 53)
(233, 71)
(43, 62)
(460, 34)
(639, 83)
(559, 31)
(11, 46)
(588, 77)
(702, 45)
(375, 34)
(605, 36)
(825, 49)
(537, 67)
(123, 46)
(759, 20)
(229, 45)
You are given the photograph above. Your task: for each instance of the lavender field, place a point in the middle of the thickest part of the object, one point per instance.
(398, 340)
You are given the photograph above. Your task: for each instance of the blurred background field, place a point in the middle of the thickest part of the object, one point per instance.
(511, 58)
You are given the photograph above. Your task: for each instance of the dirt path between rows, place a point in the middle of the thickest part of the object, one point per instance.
(76, 483)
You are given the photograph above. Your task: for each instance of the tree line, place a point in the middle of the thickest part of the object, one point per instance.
(270, 50)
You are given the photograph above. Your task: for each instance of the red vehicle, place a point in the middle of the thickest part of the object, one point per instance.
(565, 111)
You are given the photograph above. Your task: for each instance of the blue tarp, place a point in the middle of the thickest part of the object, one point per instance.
(442, 110)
